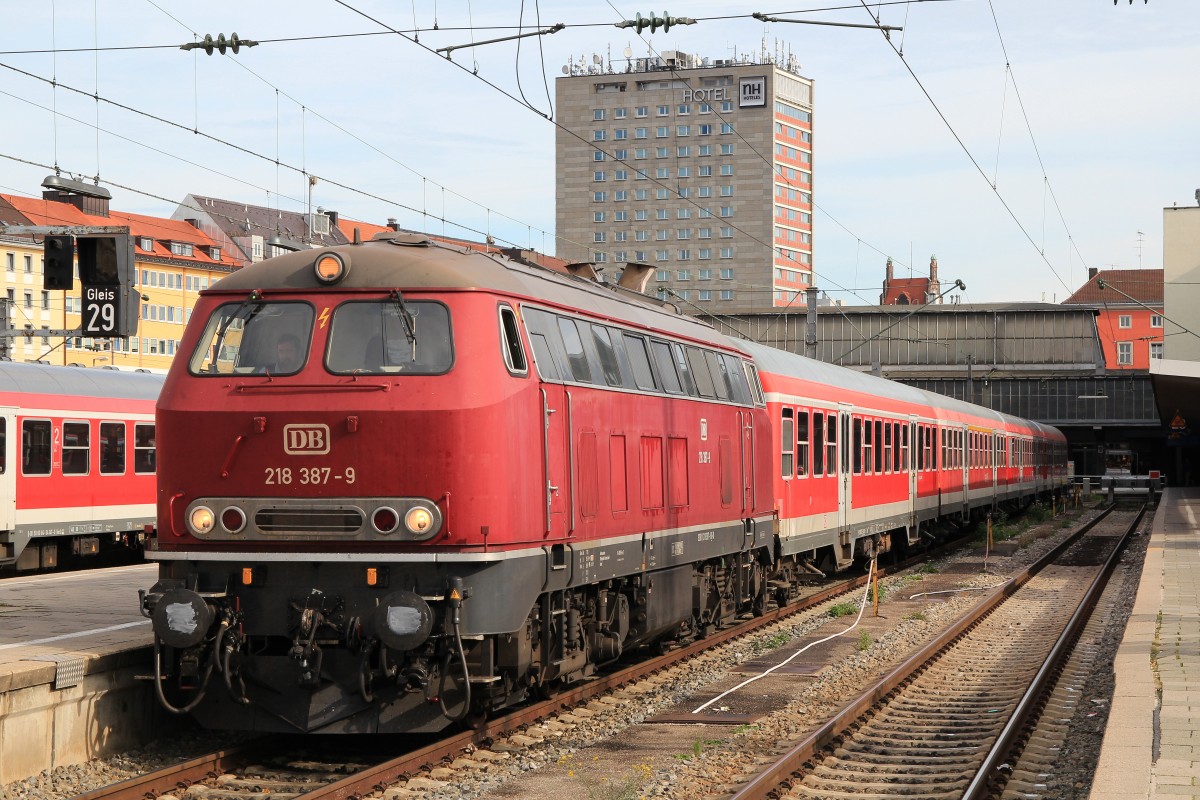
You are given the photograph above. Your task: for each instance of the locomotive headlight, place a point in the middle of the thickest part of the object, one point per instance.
(202, 519)
(418, 520)
(331, 268)
(233, 519)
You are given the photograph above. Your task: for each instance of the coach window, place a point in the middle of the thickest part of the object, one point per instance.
(896, 460)
(3, 445)
(787, 465)
(143, 448)
(879, 447)
(831, 439)
(801, 443)
(818, 444)
(76, 447)
(887, 447)
(858, 445)
(666, 367)
(377, 338)
(868, 447)
(510, 333)
(639, 359)
(921, 438)
(905, 463)
(35, 447)
(112, 448)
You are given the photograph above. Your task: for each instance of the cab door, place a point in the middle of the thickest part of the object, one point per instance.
(749, 460)
(556, 460)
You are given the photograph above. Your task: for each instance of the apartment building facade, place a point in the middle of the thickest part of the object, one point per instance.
(701, 168)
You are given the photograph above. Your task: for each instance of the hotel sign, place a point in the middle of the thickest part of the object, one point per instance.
(752, 91)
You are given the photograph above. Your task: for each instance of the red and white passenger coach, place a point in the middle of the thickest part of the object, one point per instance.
(402, 483)
(77, 461)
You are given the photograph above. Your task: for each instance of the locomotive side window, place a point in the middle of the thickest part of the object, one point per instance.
(685, 373)
(715, 371)
(254, 337)
(608, 356)
(787, 464)
(76, 448)
(112, 448)
(390, 336)
(639, 359)
(514, 353)
(755, 385)
(543, 357)
(144, 457)
(576, 356)
(666, 367)
(35, 447)
(735, 376)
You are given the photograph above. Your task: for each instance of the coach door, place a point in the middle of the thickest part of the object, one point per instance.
(10, 439)
(845, 485)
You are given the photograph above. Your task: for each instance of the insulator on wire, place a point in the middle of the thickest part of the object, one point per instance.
(220, 44)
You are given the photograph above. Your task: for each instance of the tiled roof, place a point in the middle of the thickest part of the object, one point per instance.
(162, 230)
(242, 219)
(1144, 285)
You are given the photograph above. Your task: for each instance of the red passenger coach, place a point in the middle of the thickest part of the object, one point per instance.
(402, 483)
(77, 461)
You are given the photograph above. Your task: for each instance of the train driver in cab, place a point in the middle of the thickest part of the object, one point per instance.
(288, 357)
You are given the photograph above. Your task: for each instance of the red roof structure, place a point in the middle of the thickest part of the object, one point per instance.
(1144, 285)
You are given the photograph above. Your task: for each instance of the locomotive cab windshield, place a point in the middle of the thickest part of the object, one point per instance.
(254, 338)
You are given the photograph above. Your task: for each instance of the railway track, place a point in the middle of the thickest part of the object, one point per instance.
(946, 723)
(258, 770)
(262, 770)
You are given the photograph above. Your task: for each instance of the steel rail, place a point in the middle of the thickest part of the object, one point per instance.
(177, 777)
(769, 780)
(1047, 675)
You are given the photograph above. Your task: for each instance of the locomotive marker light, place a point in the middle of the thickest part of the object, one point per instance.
(418, 520)
(201, 520)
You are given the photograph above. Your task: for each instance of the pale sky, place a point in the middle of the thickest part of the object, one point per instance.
(1109, 90)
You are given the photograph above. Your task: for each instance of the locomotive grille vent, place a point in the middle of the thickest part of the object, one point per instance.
(309, 520)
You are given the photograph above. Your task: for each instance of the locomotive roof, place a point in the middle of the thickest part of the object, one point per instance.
(773, 360)
(414, 263)
(78, 381)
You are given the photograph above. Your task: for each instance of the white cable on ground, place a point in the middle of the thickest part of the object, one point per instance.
(966, 589)
(861, 607)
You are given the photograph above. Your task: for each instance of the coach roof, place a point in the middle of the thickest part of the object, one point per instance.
(78, 381)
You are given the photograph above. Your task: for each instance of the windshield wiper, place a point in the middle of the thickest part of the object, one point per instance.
(410, 321)
(254, 297)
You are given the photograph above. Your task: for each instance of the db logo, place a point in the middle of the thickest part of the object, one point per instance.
(306, 440)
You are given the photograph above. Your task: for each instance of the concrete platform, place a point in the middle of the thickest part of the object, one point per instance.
(1152, 742)
(70, 647)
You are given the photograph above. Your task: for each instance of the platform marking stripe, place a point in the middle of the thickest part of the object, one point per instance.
(74, 635)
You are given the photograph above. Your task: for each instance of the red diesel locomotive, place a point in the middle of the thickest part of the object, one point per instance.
(77, 461)
(402, 483)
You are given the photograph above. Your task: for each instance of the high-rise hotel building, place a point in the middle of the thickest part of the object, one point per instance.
(702, 169)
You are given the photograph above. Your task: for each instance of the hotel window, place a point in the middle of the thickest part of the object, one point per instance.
(1125, 321)
(640, 214)
(662, 236)
(662, 152)
(727, 294)
(620, 236)
(1156, 349)
(683, 151)
(683, 109)
(726, 191)
(662, 213)
(639, 133)
(727, 149)
(662, 275)
(621, 175)
(705, 233)
(1156, 321)
(726, 127)
(706, 130)
(662, 255)
(726, 252)
(726, 105)
(662, 172)
(726, 232)
(705, 254)
(664, 111)
(599, 257)
(621, 255)
(640, 111)
(683, 213)
(683, 274)
(705, 108)
(599, 197)
(727, 169)
(706, 149)
(704, 191)
(598, 216)
(706, 171)
(620, 196)
(683, 233)
(641, 236)
(598, 115)
(726, 211)
(621, 154)
(598, 155)
(662, 193)
(597, 176)
(620, 113)
(621, 133)
(683, 130)
(599, 136)
(685, 255)
(1124, 352)
(706, 294)
(640, 175)
(641, 194)
(662, 131)
(685, 172)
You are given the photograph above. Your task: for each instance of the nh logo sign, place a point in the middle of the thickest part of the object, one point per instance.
(306, 440)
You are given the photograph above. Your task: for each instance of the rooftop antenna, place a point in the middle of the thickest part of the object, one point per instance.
(1140, 236)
